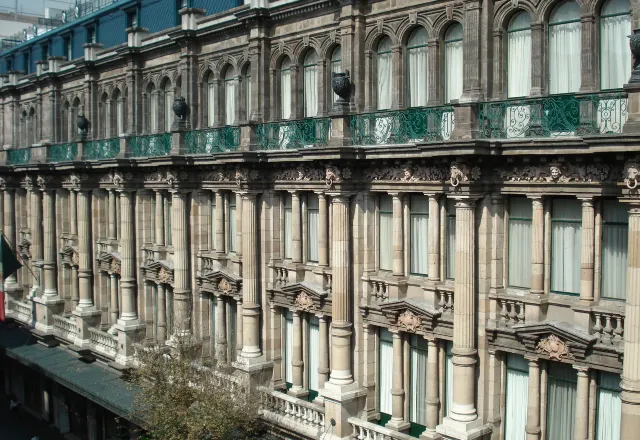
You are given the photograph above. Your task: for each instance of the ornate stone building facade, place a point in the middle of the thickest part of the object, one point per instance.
(447, 250)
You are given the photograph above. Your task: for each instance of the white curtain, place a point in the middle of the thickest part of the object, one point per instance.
(310, 73)
(313, 350)
(288, 347)
(168, 205)
(448, 386)
(288, 226)
(229, 97)
(419, 226)
(154, 111)
(418, 68)
(385, 74)
(232, 223)
(418, 410)
(561, 402)
(211, 101)
(519, 55)
(615, 232)
(231, 329)
(168, 107)
(212, 222)
(385, 367)
(386, 232)
(608, 414)
(566, 231)
(564, 48)
(312, 227)
(453, 56)
(247, 93)
(120, 116)
(615, 56)
(451, 239)
(520, 249)
(336, 66)
(516, 397)
(285, 89)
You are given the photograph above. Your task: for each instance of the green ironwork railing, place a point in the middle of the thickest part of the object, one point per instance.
(18, 156)
(415, 124)
(213, 140)
(150, 145)
(552, 116)
(63, 152)
(301, 133)
(102, 149)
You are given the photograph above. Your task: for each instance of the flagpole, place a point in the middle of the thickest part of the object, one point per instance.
(24, 263)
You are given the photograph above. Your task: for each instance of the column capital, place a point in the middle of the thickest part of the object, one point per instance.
(340, 197)
(433, 195)
(534, 197)
(248, 195)
(396, 194)
(582, 370)
(586, 200)
(532, 358)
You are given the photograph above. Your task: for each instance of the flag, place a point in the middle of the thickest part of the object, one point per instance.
(8, 265)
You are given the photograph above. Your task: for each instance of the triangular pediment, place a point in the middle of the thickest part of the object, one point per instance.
(223, 282)
(305, 297)
(160, 271)
(410, 315)
(108, 257)
(555, 339)
(160, 264)
(70, 255)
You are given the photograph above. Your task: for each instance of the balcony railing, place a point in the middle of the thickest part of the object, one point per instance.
(103, 342)
(303, 133)
(102, 149)
(18, 156)
(363, 430)
(296, 414)
(150, 146)
(65, 328)
(417, 124)
(22, 312)
(214, 140)
(554, 116)
(63, 152)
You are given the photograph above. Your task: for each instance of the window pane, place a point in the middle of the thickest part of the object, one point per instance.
(417, 68)
(385, 367)
(453, 56)
(565, 49)
(288, 347)
(608, 414)
(288, 227)
(230, 97)
(232, 223)
(314, 353)
(285, 89)
(419, 238)
(520, 212)
(212, 221)
(566, 231)
(615, 230)
(418, 410)
(386, 233)
(561, 402)
(451, 239)
(385, 73)
(448, 398)
(614, 53)
(312, 227)
(310, 84)
(516, 393)
(519, 55)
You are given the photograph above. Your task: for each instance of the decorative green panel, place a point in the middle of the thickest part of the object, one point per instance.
(215, 140)
(302, 133)
(150, 146)
(415, 124)
(18, 156)
(102, 149)
(63, 152)
(552, 116)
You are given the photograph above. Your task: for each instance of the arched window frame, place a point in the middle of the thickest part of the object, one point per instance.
(512, 92)
(154, 116)
(384, 55)
(285, 88)
(211, 94)
(411, 49)
(167, 95)
(624, 50)
(247, 87)
(450, 40)
(230, 86)
(551, 26)
(310, 84)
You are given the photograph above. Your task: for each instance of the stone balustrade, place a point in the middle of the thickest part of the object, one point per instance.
(445, 302)
(103, 343)
(281, 277)
(512, 312)
(65, 328)
(608, 326)
(363, 430)
(378, 290)
(207, 263)
(22, 312)
(295, 414)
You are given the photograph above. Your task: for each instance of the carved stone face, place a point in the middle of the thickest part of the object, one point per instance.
(555, 172)
(408, 172)
(632, 172)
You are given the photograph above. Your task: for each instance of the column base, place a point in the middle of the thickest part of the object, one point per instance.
(340, 403)
(85, 318)
(453, 430)
(398, 425)
(252, 364)
(300, 393)
(430, 434)
(46, 307)
(129, 333)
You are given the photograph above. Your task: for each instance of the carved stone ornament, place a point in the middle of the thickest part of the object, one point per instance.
(27, 182)
(180, 107)
(341, 85)
(334, 175)
(460, 172)
(115, 267)
(76, 179)
(245, 175)
(300, 174)
(631, 170)
(409, 173)
(116, 178)
(83, 123)
(163, 275)
(304, 302)
(42, 181)
(558, 173)
(224, 287)
(634, 44)
(554, 347)
(3, 183)
(75, 259)
(408, 321)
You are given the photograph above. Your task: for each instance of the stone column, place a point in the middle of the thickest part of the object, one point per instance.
(85, 275)
(398, 236)
(588, 246)
(113, 235)
(433, 386)
(537, 68)
(115, 311)
(181, 291)
(238, 226)
(239, 326)
(9, 230)
(73, 213)
(537, 246)
(581, 426)
(221, 330)
(630, 395)
(220, 248)
(397, 421)
(497, 242)
(162, 315)
(75, 286)
(50, 254)
(35, 217)
(128, 287)
(323, 230)
(296, 226)
(323, 346)
(297, 363)
(533, 405)
(434, 237)
(250, 282)
(159, 218)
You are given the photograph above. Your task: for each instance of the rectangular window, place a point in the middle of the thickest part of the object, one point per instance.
(132, 18)
(288, 348)
(566, 232)
(169, 309)
(313, 208)
(231, 331)
(288, 226)
(419, 228)
(608, 413)
(451, 239)
(615, 231)
(385, 375)
(418, 393)
(517, 391)
(27, 63)
(448, 377)
(561, 401)
(313, 353)
(232, 222)
(91, 35)
(385, 239)
(9, 64)
(212, 319)
(520, 238)
(212, 222)
(168, 231)
(68, 48)
(153, 214)
(45, 52)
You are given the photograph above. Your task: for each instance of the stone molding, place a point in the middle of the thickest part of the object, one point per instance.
(556, 172)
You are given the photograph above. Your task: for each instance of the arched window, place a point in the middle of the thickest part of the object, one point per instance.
(417, 72)
(310, 84)
(519, 55)
(385, 72)
(615, 56)
(104, 116)
(229, 96)
(453, 58)
(168, 105)
(153, 108)
(336, 66)
(285, 89)
(564, 48)
(64, 123)
(247, 92)
(211, 100)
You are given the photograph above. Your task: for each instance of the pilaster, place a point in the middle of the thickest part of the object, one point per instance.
(397, 421)
(181, 290)
(537, 245)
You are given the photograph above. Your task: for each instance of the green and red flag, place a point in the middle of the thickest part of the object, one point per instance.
(8, 265)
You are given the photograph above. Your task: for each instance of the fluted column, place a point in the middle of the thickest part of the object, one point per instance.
(238, 226)
(588, 249)
(113, 300)
(581, 426)
(73, 213)
(397, 389)
(220, 248)
(630, 395)
(162, 314)
(159, 219)
(537, 246)
(533, 404)
(75, 286)
(181, 291)
(239, 327)
(35, 217)
(341, 328)
(113, 224)
(296, 226)
(323, 346)
(85, 274)
(127, 259)
(221, 330)
(398, 236)
(250, 303)
(50, 254)
(434, 237)
(497, 242)
(323, 230)
(297, 363)
(9, 229)
(433, 385)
